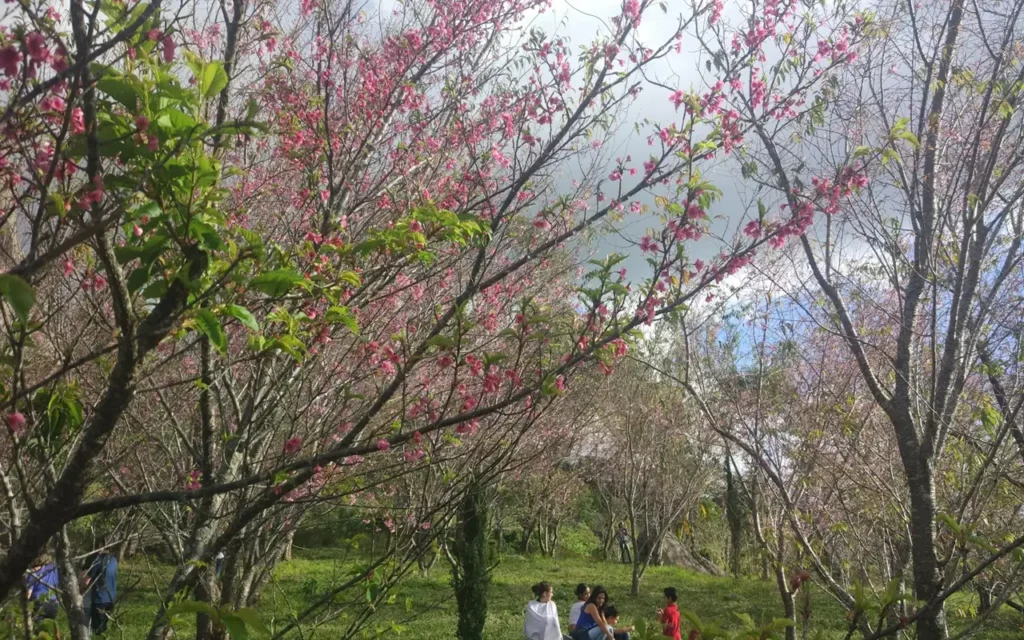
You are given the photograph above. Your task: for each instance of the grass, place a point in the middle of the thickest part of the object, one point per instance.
(432, 613)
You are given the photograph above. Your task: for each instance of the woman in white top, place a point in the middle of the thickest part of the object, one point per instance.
(542, 615)
(582, 595)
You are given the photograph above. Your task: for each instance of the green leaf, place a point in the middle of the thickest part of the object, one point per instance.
(693, 618)
(190, 607)
(344, 316)
(252, 621)
(210, 325)
(951, 523)
(350, 278)
(747, 621)
(243, 315)
(235, 626)
(443, 342)
(138, 278)
(146, 253)
(175, 122)
(290, 345)
(18, 294)
(214, 79)
(120, 90)
(279, 282)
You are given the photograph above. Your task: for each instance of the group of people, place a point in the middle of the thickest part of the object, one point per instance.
(99, 590)
(591, 617)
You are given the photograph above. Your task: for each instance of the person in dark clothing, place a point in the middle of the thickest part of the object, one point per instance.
(101, 584)
(624, 544)
(41, 589)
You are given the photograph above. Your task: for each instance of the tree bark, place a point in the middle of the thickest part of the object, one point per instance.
(71, 595)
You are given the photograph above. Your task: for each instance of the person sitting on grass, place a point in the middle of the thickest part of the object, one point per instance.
(582, 594)
(611, 621)
(542, 615)
(669, 616)
(593, 617)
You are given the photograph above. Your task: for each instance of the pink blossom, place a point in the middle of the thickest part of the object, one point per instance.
(59, 63)
(678, 98)
(168, 43)
(753, 229)
(10, 58)
(77, 121)
(16, 422)
(716, 11)
(292, 445)
(153, 35)
(35, 45)
(52, 103)
(383, 445)
(615, 176)
(141, 123)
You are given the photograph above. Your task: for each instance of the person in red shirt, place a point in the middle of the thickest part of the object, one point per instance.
(670, 615)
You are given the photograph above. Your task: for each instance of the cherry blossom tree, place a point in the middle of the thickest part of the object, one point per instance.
(255, 257)
(927, 130)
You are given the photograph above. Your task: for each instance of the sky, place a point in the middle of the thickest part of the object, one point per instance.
(580, 20)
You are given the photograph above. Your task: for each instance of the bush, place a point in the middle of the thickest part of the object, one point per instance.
(579, 541)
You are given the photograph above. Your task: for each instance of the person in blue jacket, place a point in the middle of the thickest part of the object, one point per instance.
(101, 582)
(41, 588)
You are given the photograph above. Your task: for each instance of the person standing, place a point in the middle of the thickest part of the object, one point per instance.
(101, 584)
(542, 615)
(41, 590)
(624, 544)
(669, 616)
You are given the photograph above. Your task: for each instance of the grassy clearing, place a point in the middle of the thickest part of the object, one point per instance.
(432, 613)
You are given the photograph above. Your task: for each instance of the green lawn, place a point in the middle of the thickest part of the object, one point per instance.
(433, 610)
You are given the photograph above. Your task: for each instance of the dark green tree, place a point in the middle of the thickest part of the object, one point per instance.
(471, 571)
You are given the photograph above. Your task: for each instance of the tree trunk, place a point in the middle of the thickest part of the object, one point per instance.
(609, 538)
(524, 545)
(204, 593)
(931, 624)
(471, 573)
(71, 595)
(289, 542)
(788, 606)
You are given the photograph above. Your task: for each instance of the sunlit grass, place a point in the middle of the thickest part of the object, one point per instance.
(432, 613)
